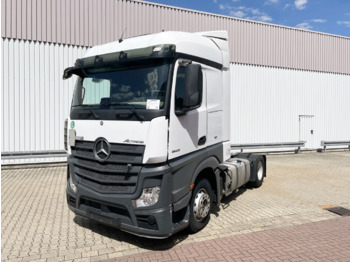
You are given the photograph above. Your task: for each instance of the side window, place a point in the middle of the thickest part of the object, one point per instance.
(188, 88)
(180, 87)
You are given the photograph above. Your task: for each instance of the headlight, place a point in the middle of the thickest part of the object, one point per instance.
(71, 184)
(149, 197)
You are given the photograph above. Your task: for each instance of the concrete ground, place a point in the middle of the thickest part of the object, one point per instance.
(36, 224)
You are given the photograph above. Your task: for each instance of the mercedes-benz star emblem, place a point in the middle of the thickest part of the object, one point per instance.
(102, 149)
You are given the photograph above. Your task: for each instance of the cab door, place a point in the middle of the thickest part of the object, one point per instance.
(187, 130)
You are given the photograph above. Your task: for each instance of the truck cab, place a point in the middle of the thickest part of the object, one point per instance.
(148, 134)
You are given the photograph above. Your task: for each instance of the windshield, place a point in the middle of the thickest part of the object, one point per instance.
(139, 86)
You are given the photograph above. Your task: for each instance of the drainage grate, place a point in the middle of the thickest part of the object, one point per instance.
(341, 211)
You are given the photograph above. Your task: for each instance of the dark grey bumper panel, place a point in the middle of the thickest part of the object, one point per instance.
(116, 209)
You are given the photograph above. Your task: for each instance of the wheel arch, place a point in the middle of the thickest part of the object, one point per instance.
(206, 170)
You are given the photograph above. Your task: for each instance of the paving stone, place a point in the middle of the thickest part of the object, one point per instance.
(72, 256)
(36, 220)
(99, 258)
(89, 253)
(115, 254)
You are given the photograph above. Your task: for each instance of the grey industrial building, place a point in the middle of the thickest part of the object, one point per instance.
(288, 84)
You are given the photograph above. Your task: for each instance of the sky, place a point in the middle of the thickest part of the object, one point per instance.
(327, 16)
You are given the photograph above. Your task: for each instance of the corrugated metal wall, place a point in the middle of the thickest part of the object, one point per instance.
(42, 37)
(92, 22)
(35, 99)
(267, 104)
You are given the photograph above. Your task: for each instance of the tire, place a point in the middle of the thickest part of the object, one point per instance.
(260, 173)
(200, 206)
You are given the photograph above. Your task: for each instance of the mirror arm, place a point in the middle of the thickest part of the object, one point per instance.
(68, 72)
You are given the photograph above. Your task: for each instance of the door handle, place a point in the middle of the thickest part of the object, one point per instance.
(202, 140)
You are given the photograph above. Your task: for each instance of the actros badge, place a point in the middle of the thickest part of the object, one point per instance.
(102, 149)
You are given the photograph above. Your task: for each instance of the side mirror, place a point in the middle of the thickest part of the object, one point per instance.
(193, 87)
(68, 72)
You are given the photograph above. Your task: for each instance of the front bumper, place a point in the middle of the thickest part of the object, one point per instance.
(116, 209)
(159, 219)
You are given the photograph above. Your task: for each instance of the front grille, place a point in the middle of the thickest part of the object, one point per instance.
(118, 174)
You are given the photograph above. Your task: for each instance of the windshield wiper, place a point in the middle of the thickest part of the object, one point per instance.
(91, 109)
(132, 108)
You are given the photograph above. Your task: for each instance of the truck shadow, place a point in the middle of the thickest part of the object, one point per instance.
(140, 242)
(146, 243)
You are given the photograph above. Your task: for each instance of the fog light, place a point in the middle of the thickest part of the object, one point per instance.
(72, 185)
(151, 220)
(149, 197)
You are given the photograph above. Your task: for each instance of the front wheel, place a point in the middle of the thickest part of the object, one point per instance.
(200, 206)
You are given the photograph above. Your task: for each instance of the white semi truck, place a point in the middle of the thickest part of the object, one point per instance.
(148, 134)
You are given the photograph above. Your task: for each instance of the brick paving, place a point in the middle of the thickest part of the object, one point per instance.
(319, 241)
(36, 224)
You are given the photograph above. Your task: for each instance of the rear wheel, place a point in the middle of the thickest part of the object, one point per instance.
(200, 206)
(260, 171)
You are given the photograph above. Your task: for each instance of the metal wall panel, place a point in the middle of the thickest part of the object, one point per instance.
(267, 104)
(267, 101)
(92, 22)
(35, 99)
